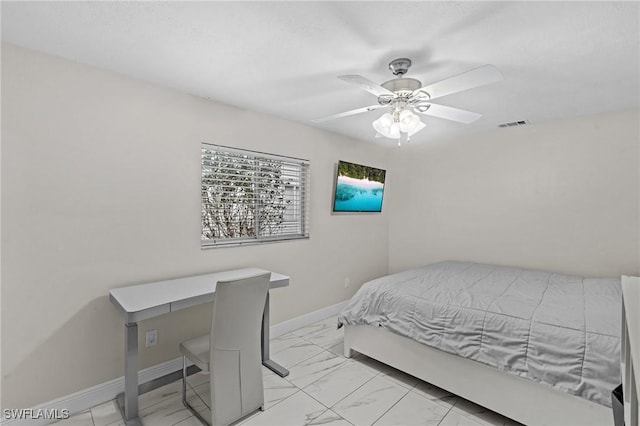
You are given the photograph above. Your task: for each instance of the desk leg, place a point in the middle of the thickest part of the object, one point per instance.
(266, 360)
(128, 403)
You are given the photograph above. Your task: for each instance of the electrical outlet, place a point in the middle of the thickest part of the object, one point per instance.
(152, 338)
(347, 282)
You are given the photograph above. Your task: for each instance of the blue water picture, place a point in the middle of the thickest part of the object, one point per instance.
(358, 188)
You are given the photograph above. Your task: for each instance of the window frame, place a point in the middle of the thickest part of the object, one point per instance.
(300, 203)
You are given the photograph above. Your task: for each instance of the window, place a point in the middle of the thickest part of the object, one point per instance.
(249, 197)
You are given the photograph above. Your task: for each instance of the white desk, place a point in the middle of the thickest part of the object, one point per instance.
(144, 301)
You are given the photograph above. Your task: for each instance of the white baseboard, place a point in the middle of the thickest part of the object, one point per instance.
(85, 399)
(306, 319)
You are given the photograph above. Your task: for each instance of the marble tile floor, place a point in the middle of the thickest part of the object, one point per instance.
(323, 388)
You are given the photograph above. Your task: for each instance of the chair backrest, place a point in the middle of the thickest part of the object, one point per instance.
(237, 311)
(235, 360)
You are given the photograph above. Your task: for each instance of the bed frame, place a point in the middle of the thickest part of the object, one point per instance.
(630, 349)
(520, 399)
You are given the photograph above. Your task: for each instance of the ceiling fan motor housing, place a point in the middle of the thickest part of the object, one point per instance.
(402, 86)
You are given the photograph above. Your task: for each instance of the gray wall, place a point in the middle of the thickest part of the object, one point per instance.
(101, 188)
(562, 196)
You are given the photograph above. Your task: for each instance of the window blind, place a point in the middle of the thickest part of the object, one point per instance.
(250, 197)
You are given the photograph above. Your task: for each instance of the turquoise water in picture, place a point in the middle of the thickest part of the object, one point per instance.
(358, 195)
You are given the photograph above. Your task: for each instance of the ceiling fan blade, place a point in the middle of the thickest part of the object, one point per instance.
(347, 113)
(485, 74)
(449, 113)
(366, 84)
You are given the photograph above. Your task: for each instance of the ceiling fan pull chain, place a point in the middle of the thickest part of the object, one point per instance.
(404, 137)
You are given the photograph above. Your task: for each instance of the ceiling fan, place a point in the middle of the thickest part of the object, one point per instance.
(404, 95)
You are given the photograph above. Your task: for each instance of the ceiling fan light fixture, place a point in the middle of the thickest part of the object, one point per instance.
(386, 126)
(407, 123)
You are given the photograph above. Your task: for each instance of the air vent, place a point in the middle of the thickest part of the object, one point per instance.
(513, 123)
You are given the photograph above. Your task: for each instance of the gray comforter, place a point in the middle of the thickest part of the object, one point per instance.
(559, 330)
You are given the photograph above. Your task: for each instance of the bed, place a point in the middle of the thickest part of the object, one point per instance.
(538, 347)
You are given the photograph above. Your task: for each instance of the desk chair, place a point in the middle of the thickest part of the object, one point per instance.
(231, 351)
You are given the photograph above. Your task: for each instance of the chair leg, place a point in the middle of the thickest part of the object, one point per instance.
(184, 394)
(184, 379)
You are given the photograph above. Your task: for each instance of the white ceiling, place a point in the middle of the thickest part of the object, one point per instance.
(559, 59)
